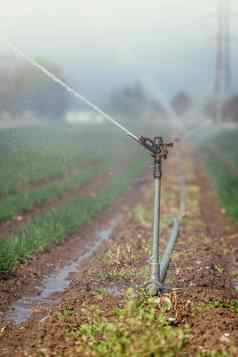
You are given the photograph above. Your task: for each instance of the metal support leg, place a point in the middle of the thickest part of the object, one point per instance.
(155, 284)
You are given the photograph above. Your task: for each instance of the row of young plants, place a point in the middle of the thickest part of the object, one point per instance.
(50, 151)
(29, 155)
(221, 157)
(24, 201)
(62, 221)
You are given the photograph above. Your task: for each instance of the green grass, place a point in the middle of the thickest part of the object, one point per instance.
(29, 155)
(58, 223)
(215, 354)
(32, 154)
(24, 201)
(221, 161)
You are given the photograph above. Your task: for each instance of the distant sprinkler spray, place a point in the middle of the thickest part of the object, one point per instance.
(167, 106)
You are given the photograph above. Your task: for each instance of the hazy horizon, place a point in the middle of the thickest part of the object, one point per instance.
(104, 45)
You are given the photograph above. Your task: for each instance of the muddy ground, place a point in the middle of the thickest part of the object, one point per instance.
(24, 280)
(200, 283)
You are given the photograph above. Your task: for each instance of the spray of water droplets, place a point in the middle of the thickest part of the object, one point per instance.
(72, 91)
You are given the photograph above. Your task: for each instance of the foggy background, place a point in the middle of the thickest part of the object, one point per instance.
(110, 50)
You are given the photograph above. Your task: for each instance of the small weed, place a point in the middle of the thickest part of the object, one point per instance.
(142, 216)
(232, 353)
(234, 275)
(65, 314)
(194, 189)
(144, 271)
(219, 268)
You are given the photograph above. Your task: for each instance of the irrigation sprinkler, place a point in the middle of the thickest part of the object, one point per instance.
(159, 152)
(157, 148)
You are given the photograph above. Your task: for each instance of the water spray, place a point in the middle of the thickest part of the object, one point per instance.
(159, 152)
(69, 89)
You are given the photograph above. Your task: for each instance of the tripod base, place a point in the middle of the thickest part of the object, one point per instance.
(154, 288)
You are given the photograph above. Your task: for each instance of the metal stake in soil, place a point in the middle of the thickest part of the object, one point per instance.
(159, 152)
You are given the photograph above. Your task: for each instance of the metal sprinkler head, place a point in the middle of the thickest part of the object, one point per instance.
(158, 150)
(157, 147)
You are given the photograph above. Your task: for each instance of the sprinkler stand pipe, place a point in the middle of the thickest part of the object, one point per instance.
(155, 262)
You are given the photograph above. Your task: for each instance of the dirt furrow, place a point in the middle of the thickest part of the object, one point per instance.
(29, 276)
(201, 302)
(200, 272)
(26, 277)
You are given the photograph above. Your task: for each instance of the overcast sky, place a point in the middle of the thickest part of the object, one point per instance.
(106, 43)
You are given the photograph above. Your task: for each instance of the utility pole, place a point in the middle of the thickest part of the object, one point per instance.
(228, 67)
(223, 75)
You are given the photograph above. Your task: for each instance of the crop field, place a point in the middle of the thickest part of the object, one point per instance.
(221, 160)
(106, 307)
(65, 266)
(42, 171)
(118, 179)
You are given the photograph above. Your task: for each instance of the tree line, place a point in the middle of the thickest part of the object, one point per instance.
(24, 89)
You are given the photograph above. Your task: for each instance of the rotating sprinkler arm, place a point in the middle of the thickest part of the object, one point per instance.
(156, 146)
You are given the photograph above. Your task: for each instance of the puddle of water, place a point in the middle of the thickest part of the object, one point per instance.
(119, 290)
(114, 290)
(235, 286)
(58, 281)
(234, 272)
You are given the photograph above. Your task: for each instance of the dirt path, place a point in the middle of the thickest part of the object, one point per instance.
(202, 301)
(201, 269)
(26, 278)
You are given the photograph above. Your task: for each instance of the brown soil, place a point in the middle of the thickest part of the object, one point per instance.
(25, 278)
(199, 276)
(201, 270)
